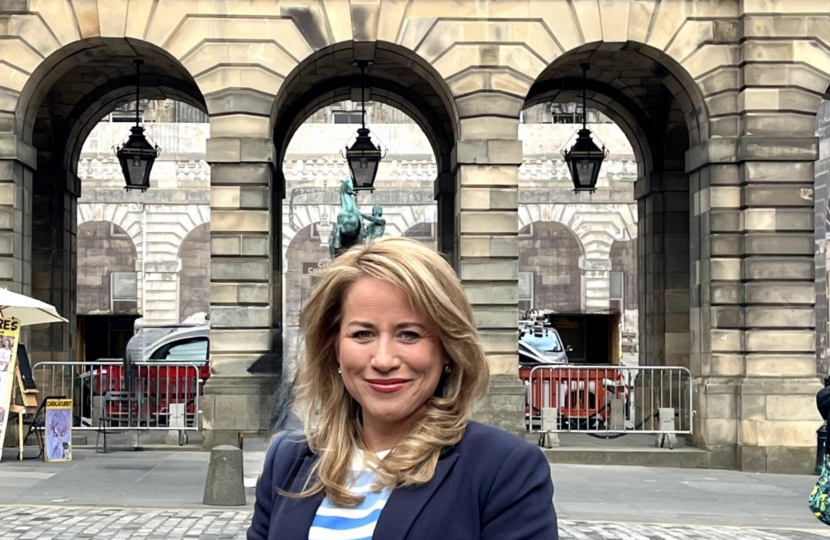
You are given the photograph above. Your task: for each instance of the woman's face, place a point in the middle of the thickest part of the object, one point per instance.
(389, 359)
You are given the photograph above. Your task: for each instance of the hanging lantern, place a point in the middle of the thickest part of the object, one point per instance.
(363, 157)
(584, 159)
(325, 228)
(137, 155)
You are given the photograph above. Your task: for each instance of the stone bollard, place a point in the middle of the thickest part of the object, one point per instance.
(224, 485)
(548, 436)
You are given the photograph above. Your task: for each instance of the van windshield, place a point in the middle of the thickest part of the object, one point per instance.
(547, 342)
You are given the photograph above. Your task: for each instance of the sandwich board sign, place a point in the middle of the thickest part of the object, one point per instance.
(58, 429)
(9, 333)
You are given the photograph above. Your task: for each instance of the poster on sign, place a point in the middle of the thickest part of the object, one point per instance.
(9, 332)
(58, 429)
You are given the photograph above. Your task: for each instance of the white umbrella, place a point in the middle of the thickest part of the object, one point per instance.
(26, 309)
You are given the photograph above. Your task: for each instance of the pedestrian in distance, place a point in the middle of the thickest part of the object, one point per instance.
(819, 501)
(391, 372)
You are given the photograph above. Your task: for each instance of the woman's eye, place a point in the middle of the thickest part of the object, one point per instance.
(362, 334)
(410, 336)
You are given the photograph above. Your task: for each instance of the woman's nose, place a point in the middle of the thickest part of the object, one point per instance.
(385, 356)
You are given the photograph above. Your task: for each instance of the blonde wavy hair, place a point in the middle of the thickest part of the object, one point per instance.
(332, 417)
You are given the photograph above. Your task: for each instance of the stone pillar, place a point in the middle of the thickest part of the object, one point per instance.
(445, 201)
(663, 252)
(243, 378)
(54, 257)
(753, 319)
(18, 162)
(487, 222)
(161, 293)
(595, 282)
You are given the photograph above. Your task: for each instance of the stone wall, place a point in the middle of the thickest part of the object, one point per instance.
(553, 254)
(103, 248)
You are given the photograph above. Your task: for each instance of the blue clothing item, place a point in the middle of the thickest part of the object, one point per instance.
(490, 486)
(357, 522)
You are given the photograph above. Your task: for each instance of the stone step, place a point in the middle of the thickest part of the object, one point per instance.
(682, 458)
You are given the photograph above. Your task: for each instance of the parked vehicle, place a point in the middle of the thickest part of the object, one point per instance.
(146, 392)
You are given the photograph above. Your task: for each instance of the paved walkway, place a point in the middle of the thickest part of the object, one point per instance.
(157, 495)
(52, 523)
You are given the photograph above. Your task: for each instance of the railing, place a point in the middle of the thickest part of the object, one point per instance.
(148, 396)
(612, 400)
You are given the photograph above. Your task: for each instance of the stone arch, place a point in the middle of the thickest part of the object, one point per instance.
(104, 247)
(126, 217)
(556, 257)
(397, 77)
(616, 86)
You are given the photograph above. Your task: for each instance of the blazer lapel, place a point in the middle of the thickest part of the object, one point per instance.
(299, 513)
(406, 503)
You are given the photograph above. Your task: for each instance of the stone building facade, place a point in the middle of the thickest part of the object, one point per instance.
(717, 98)
(562, 271)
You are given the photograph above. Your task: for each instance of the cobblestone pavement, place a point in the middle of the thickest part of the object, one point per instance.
(61, 523)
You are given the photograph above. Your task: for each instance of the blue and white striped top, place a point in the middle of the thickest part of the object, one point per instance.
(334, 522)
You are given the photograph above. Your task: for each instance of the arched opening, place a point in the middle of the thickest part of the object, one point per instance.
(62, 102)
(397, 77)
(313, 169)
(658, 107)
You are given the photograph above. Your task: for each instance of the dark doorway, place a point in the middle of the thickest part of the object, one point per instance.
(105, 336)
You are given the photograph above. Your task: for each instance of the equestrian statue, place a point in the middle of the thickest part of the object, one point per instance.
(350, 229)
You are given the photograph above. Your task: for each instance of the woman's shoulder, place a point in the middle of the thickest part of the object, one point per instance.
(288, 444)
(493, 444)
(287, 448)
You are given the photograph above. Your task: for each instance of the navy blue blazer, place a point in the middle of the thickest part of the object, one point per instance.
(491, 485)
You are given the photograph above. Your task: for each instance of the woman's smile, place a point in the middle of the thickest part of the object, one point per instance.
(386, 386)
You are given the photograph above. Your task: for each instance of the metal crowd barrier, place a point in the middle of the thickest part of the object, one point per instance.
(148, 396)
(611, 399)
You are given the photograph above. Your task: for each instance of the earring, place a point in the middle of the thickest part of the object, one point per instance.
(338, 370)
(447, 369)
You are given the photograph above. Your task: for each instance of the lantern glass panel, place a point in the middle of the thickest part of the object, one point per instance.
(584, 172)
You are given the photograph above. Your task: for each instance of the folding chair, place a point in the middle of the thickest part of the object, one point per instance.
(36, 423)
(110, 415)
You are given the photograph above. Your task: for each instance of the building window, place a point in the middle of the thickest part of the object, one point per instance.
(346, 117)
(117, 232)
(525, 291)
(124, 286)
(422, 231)
(528, 231)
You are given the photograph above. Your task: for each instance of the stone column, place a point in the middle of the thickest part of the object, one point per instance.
(663, 252)
(753, 318)
(54, 258)
(18, 162)
(445, 201)
(487, 172)
(243, 377)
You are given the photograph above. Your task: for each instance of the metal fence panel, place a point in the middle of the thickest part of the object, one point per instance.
(149, 396)
(611, 399)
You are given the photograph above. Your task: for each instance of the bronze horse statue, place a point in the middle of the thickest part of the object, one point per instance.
(348, 230)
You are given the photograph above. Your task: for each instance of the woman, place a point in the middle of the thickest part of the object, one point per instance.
(391, 373)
